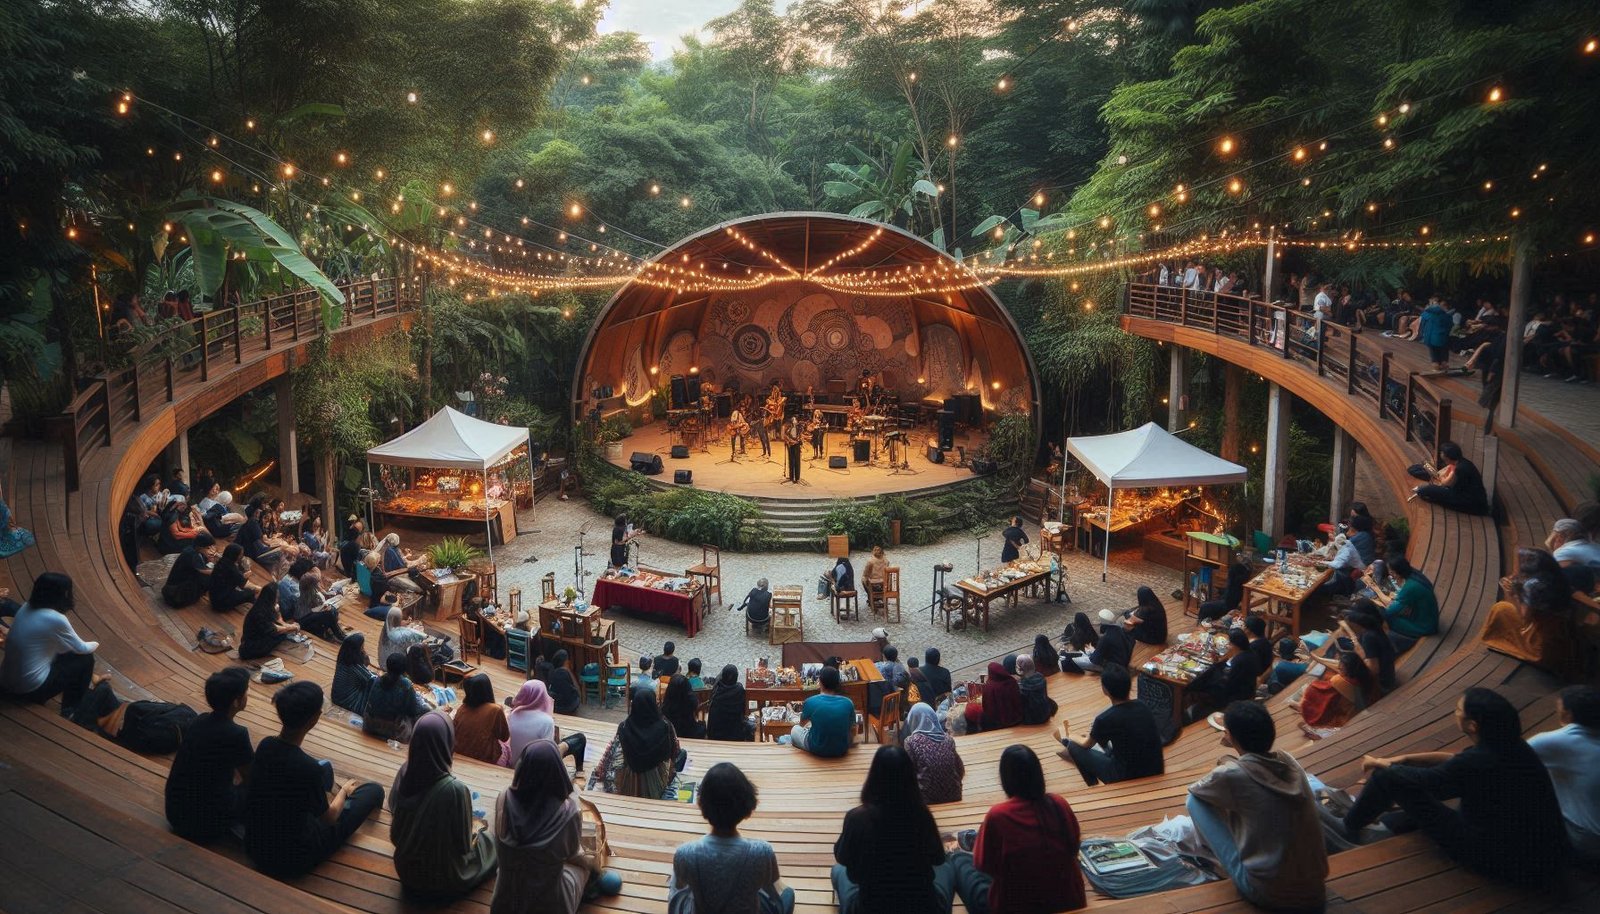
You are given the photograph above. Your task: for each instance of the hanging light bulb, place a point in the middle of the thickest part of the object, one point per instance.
(1226, 145)
(411, 97)
(1496, 94)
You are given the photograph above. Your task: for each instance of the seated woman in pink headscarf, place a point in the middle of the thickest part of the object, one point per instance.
(530, 719)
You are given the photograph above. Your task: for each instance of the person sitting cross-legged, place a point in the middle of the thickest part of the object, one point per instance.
(438, 852)
(1508, 823)
(725, 871)
(290, 822)
(1128, 732)
(1259, 816)
(1025, 857)
(205, 789)
(538, 835)
(827, 720)
(44, 657)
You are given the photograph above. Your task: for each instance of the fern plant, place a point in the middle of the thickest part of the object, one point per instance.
(453, 552)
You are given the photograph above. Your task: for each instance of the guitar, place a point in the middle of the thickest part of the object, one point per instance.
(774, 409)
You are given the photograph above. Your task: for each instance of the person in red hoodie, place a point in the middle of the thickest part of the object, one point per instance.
(1025, 859)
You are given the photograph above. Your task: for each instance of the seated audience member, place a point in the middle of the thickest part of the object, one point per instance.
(251, 538)
(1413, 612)
(665, 665)
(757, 605)
(695, 681)
(1046, 659)
(538, 832)
(875, 574)
(1569, 542)
(187, 581)
(263, 628)
(530, 721)
(1571, 754)
(1288, 668)
(1329, 703)
(490, 633)
(917, 687)
(396, 636)
(290, 823)
(289, 584)
(205, 789)
(315, 540)
(727, 718)
(1363, 537)
(827, 720)
(1025, 858)
(419, 666)
(350, 551)
(1127, 730)
(352, 674)
(894, 673)
(839, 579)
(650, 753)
(1459, 484)
(221, 521)
(1113, 645)
(938, 677)
(1037, 705)
(563, 687)
(1239, 574)
(1345, 567)
(1508, 823)
(644, 679)
(725, 871)
(933, 753)
(890, 854)
(228, 587)
(1260, 818)
(393, 704)
(681, 708)
(1531, 623)
(312, 611)
(1233, 678)
(1147, 622)
(396, 567)
(1002, 702)
(439, 853)
(1363, 625)
(181, 527)
(480, 722)
(381, 597)
(1256, 627)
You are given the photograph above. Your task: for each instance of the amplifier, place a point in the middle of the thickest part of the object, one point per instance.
(935, 455)
(680, 452)
(837, 462)
(683, 477)
(645, 462)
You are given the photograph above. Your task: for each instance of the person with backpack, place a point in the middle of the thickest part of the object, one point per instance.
(205, 788)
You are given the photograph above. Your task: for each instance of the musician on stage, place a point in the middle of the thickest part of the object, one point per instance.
(791, 443)
(811, 397)
(819, 431)
(738, 428)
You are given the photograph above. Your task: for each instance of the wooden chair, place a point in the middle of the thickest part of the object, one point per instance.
(709, 573)
(952, 603)
(890, 594)
(617, 676)
(888, 716)
(513, 603)
(547, 587)
(838, 545)
(471, 637)
(488, 582)
(845, 604)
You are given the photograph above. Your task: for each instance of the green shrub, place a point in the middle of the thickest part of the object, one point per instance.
(863, 522)
(684, 515)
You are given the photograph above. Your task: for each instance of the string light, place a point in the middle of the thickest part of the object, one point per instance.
(1004, 84)
(411, 98)
(216, 176)
(1496, 94)
(1226, 145)
(951, 141)
(574, 211)
(488, 136)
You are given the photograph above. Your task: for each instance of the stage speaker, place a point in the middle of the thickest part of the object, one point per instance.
(947, 429)
(837, 462)
(680, 391)
(645, 462)
(680, 452)
(683, 477)
(863, 450)
(935, 455)
(694, 390)
(724, 405)
(982, 466)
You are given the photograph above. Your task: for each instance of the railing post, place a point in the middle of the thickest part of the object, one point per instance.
(205, 348)
(172, 381)
(296, 336)
(1250, 323)
(1383, 386)
(266, 322)
(1441, 431)
(1410, 398)
(65, 427)
(1350, 367)
(238, 338)
(1183, 309)
(372, 293)
(138, 408)
(1289, 330)
(105, 397)
(1322, 343)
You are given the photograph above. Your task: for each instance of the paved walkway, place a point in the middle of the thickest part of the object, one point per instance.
(1574, 407)
(723, 640)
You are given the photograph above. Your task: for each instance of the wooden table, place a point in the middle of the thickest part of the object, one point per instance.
(500, 516)
(787, 613)
(450, 588)
(1280, 599)
(980, 596)
(1164, 680)
(686, 607)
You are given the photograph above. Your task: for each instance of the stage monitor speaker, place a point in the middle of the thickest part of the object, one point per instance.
(683, 477)
(947, 429)
(646, 463)
(680, 452)
(680, 391)
(694, 390)
(935, 455)
(724, 405)
(862, 450)
(837, 462)
(982, 466)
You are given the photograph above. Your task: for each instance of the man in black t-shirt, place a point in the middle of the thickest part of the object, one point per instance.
(290, 824)
(1363, 622)
(1233, 678)
(1015, 538)
(1128, 732)
(205, 787)
(1256, 628)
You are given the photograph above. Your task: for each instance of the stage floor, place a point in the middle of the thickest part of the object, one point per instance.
(755, 477)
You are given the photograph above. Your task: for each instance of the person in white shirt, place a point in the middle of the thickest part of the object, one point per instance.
(44, 656)
(1165, 276)
(1191, 276)
(1571, 545)
(1571, 755)
(1322, 305)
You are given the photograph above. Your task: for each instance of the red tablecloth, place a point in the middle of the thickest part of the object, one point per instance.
(610, 592)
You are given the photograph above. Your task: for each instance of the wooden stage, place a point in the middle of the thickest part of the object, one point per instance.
(755, 477)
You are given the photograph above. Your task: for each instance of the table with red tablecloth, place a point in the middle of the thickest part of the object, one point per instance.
(682, 606)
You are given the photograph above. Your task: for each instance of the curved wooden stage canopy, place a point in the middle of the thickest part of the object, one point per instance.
(84, 830)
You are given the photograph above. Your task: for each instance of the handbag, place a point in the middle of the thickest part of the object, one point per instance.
(593, 837)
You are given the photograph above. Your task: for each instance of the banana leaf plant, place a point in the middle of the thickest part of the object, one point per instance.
(887, 194)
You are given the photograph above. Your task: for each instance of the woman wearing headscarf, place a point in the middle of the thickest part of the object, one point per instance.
(1002, 702)
(1147, 622)
(1037, 705)
(1080, 634)
(563, 687)
(537, 830)
(933, 752)
(480, 722)
(228, 587)
(396, 636)
(1046, 659)
(530, 721)
(728, 718)
(681, 708)
(419, 666)
(186, 582)
(352, 674)
(438, 852)
(649, 749)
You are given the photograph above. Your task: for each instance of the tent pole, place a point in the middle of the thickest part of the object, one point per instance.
(371, 497)
(488, 526)
(1105, 555)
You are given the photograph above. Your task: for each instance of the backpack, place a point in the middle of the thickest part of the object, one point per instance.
(155, 727)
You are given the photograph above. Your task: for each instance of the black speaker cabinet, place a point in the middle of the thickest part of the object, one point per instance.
(863, 450)
(680, 391)
(683, 477)
(680, 452)
(837, 462)
(646, 463)
(935, 455)
(694, 390)
(947, 429)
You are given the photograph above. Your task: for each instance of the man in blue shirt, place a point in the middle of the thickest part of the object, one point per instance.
(1571, 755)
(827, 721)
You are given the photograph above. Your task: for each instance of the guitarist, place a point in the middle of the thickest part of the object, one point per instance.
(737, 430)
(791, 443)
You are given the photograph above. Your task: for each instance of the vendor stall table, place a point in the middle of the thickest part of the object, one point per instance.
(1279, 597)
(639, 594)
(435, 506)
(1164, 679)
(1007, 581)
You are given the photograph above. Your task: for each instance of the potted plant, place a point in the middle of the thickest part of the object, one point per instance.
(612, 431)
(568, 595)
(454, 553)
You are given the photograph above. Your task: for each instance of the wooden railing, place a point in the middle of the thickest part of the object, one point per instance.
(1361, 366)
(113, 403)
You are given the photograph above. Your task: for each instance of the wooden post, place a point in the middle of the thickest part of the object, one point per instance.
(1275, 487)
(105, 397)
(1521, 293)
(1442, 430)
(1177, 383)
(266, 322)
(1269, 276)
(138, 400)
(172, 381)
(1410, 400)
(238, 340)
(205, 349)
(1383, 386)
(1344, 474)
(288, 440)
(1232, 393)
(1350, 367)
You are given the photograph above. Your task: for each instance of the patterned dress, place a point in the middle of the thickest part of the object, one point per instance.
(939, 768)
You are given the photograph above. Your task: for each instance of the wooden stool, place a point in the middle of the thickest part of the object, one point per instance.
(708, 572)
(488, 582)
(844, 604)
(547, 587)
(785, 624)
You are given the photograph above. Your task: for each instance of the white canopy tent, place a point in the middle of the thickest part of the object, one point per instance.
(1146, 457)
(454, 440)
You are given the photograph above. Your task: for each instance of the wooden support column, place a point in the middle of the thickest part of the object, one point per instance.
(1521, 293)
(1232, 393)
(1275, 487)
(1177, 386)
(1344, 475)
(326, 491)
(1269, 276)
(288, 441)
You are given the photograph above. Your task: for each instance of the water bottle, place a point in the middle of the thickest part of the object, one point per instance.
(1283, 561)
